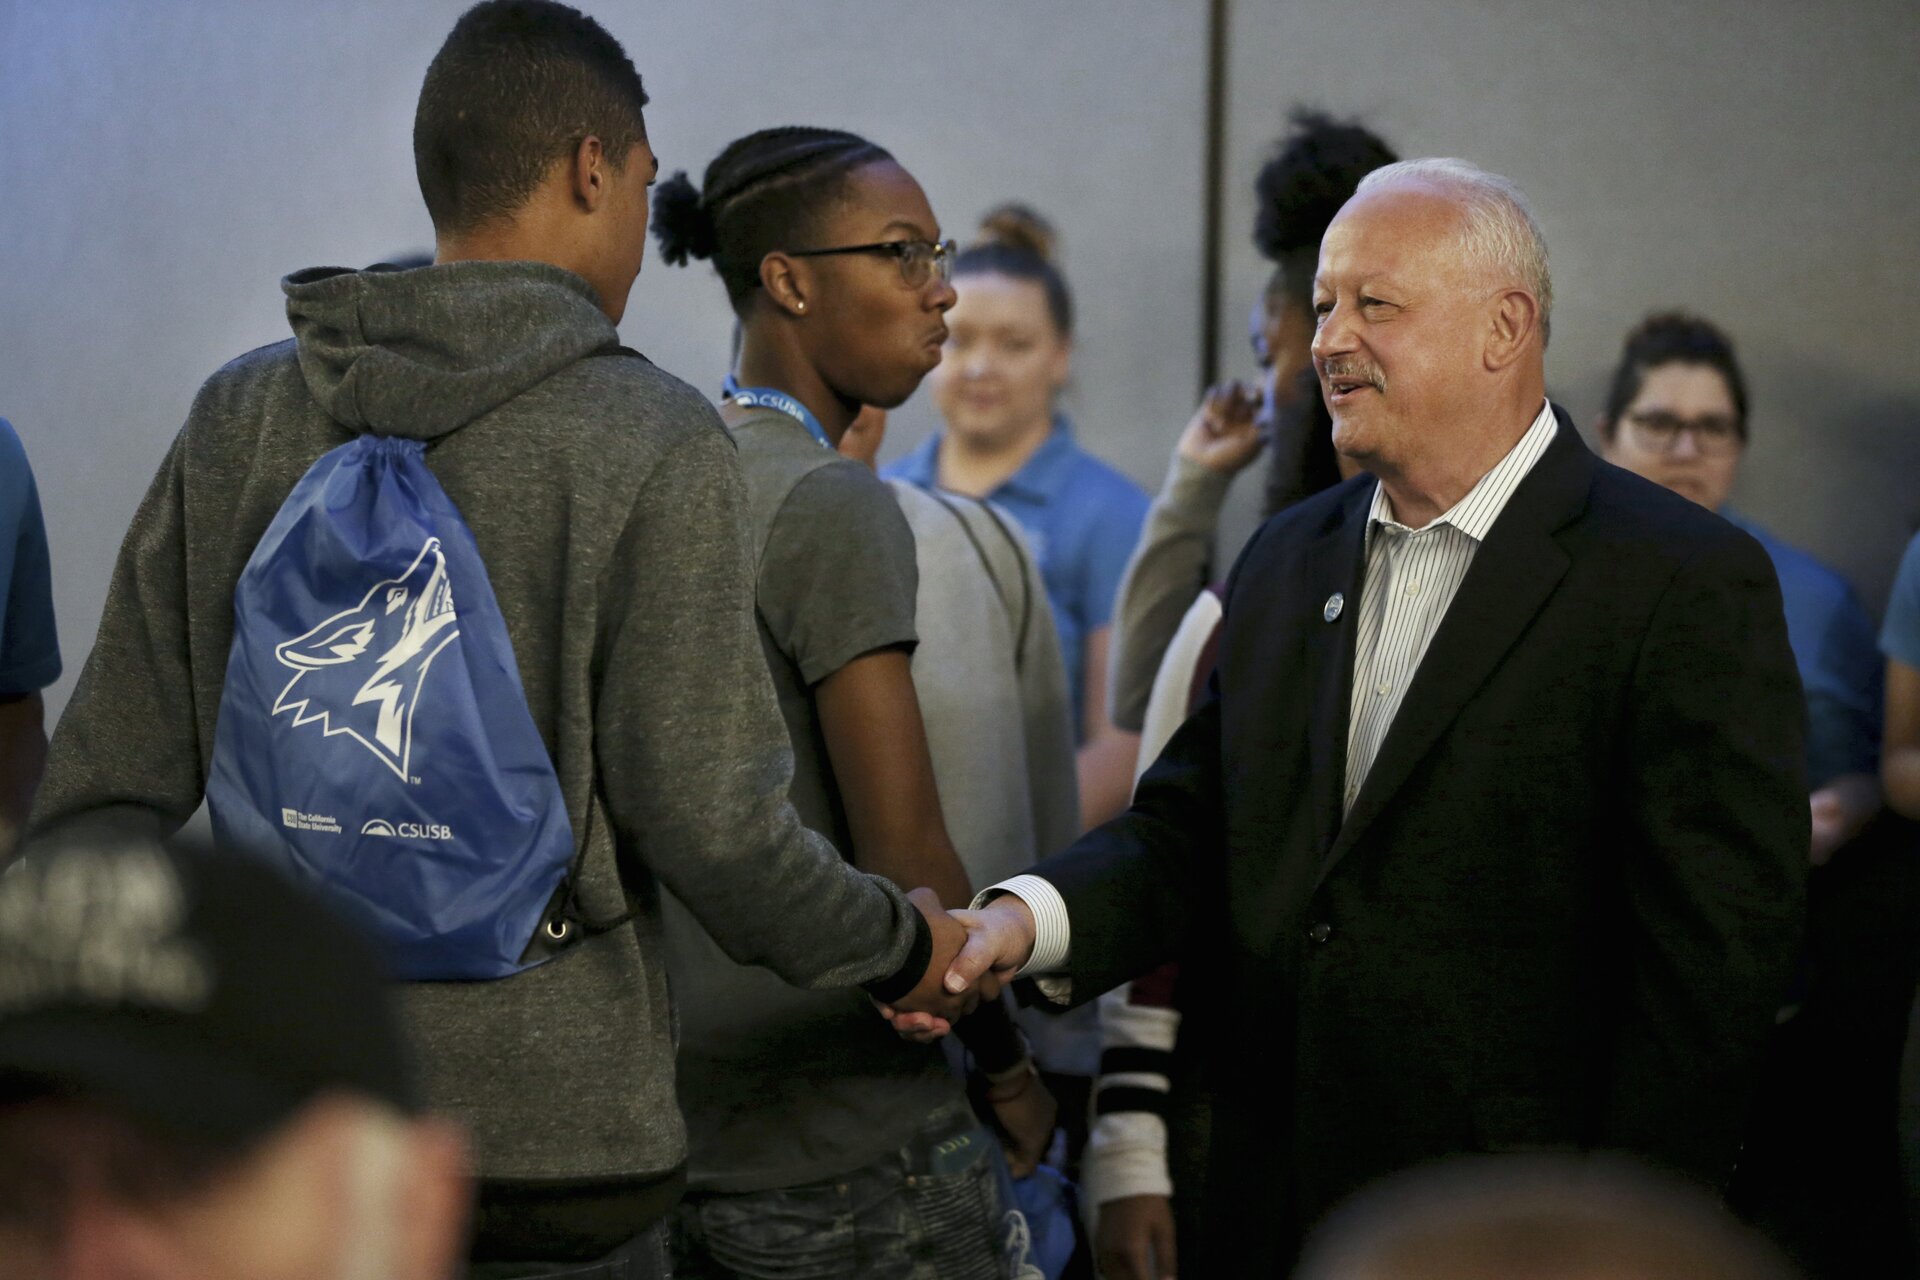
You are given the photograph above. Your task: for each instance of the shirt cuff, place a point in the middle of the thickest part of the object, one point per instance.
(1050, 932)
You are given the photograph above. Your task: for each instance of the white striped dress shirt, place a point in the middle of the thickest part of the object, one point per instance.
(1412, 577)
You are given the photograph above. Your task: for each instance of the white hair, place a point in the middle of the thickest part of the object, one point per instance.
(1500, 236)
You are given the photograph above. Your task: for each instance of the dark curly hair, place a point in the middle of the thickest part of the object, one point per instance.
(765, 192)
(1311, 173)
(1674, 337)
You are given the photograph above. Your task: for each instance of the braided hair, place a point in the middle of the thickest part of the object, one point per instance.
(762, 194)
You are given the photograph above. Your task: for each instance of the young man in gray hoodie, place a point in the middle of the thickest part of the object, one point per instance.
(607, 505)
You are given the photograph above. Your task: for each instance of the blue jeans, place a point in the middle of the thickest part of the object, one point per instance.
(642, 1258)
(933, 1210)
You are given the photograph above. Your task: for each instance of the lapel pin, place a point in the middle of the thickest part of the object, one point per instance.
(1335, 603)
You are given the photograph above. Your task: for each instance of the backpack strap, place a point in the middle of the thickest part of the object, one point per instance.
(1022, 617)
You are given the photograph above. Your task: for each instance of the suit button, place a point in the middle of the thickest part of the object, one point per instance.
(1320, 932)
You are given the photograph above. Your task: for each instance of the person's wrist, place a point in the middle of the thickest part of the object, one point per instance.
(1006, 1086)
(1020, 920)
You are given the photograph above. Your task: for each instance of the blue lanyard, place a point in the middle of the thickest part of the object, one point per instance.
(779, 401)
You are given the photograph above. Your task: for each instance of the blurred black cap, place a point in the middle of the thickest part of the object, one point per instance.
(192, 988)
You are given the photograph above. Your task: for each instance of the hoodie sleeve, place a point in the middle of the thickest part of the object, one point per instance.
(130, 736)
(694, 758)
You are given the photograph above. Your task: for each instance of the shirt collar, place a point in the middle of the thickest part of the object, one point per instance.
(1475, 513)
(1039, 478)
(922, 466)
(1044, 475)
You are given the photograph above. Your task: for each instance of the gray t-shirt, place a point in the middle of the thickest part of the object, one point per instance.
(780, 1086)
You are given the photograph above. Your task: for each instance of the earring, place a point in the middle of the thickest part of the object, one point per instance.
(800, 305)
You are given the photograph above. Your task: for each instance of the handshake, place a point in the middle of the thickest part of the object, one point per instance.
(975, 953)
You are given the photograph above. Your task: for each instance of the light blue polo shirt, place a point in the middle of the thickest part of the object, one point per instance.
(29, 647)
(1900, 636)
(1832, 641)
(1082, 518)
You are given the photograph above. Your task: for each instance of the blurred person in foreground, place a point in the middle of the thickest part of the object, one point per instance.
(1677, 414)
(1491, 832)
(608, 510)
(202, 1078)
(29, 645)
(1536, 1217)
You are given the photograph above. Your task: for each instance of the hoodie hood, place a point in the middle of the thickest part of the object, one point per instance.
(420, 353)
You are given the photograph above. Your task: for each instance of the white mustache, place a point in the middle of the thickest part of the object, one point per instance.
(1351, 369)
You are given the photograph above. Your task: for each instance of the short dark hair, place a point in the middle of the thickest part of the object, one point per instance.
(516, 87)
(1311, 173)
(765, 192)
(1674, 337)
(1018, 243)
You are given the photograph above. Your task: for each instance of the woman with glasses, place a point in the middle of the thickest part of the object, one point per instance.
(820, 1142)
(1677, 414)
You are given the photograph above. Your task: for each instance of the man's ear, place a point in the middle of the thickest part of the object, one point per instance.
(786, 282)
(588, 171)
(1514, 320)
(1060, 368)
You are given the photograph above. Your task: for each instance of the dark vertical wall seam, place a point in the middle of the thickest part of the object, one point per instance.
(1212, 263)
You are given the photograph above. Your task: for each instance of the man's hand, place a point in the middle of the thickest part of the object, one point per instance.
(998, 939)
(1224, 434)
(1134, 1240)
(1829, 825)
(928, 1011)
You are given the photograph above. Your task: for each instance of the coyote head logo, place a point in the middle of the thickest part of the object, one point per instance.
(360, 671)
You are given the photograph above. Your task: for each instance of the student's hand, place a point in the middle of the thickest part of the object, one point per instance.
(928, 1011)
(1224, 434)
(1829, 825)
(1134, 1240)
(865, 436)
(1026, 1112)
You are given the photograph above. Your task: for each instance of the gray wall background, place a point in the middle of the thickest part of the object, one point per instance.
(1756, 161)
(163, 164)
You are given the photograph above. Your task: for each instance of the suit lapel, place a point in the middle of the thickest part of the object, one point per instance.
(1336, 565)
(1512, 574)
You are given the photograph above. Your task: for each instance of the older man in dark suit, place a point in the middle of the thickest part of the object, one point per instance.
(1492, 832)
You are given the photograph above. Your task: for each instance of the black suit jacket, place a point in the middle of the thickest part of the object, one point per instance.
(1565, 903)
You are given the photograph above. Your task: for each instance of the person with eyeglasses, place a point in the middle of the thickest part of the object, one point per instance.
(1677, 414)
(820, 1142)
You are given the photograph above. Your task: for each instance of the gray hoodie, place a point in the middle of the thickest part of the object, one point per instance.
(607, 504)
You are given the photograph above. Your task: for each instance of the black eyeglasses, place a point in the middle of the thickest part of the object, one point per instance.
(919, 260)
(1659, 431)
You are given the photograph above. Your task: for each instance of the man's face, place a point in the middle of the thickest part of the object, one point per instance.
(1400, 331)
(343, 1192)
(1681, 431)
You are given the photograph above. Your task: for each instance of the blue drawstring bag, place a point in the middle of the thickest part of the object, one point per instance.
(373, 734)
